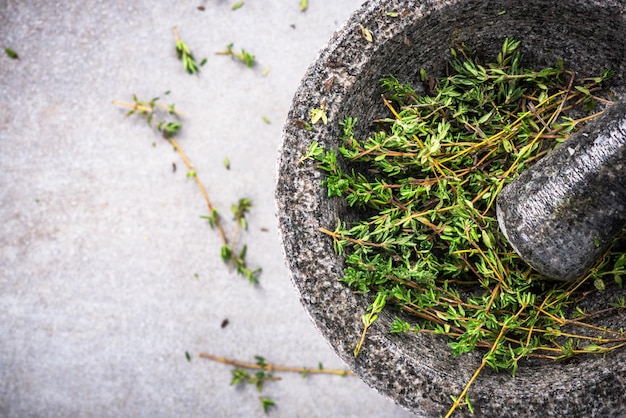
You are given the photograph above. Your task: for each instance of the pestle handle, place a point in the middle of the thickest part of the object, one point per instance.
(562, 214)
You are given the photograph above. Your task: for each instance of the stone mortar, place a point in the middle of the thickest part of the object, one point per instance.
(417, 371)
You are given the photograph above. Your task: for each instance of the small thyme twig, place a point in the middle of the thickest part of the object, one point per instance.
(272, 367)
(185, 55)
(483, 363)
(338, 236)
(169, 129)
(369, 318)
(143, 108)
(205, 195)
(149, 110)
(265, 373)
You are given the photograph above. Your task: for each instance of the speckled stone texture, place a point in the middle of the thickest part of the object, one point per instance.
(418, 371)
(563, 213)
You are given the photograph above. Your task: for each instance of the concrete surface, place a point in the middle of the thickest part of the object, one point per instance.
(107, 274)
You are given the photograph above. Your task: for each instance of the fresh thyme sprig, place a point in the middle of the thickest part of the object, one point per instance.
(184, 54)
(245, 57)
(425, 185)
(304, 371)
(155, 114)
(260, 372)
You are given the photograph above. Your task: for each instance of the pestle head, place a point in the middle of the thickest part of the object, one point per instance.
(562, 214)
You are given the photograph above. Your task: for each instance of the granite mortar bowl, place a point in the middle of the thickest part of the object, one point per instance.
(418, 371)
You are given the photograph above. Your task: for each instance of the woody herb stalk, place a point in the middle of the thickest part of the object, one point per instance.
(156, 114)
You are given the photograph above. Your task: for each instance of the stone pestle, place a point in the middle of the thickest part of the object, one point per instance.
(562, 214)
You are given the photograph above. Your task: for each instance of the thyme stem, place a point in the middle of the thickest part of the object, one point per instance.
(273, 367)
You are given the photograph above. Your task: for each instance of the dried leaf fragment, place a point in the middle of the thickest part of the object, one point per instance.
(366, 33)
(328, 83)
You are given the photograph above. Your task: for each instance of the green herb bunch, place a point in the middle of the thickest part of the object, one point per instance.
(425, 185)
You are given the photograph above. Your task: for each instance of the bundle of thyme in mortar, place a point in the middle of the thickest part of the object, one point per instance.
(426, 183)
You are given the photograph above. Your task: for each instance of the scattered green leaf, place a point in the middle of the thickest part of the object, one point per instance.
(185, 55)
(11, 53)
(239, 212)
(266, 404)
(318, 114)
(599, 284)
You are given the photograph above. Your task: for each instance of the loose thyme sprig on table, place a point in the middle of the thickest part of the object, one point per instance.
(184, 54)
(156, 114)
(263, 372)
(425, 185)
(243, 56)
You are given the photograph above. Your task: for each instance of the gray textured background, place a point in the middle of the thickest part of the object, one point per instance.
(100, 242)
